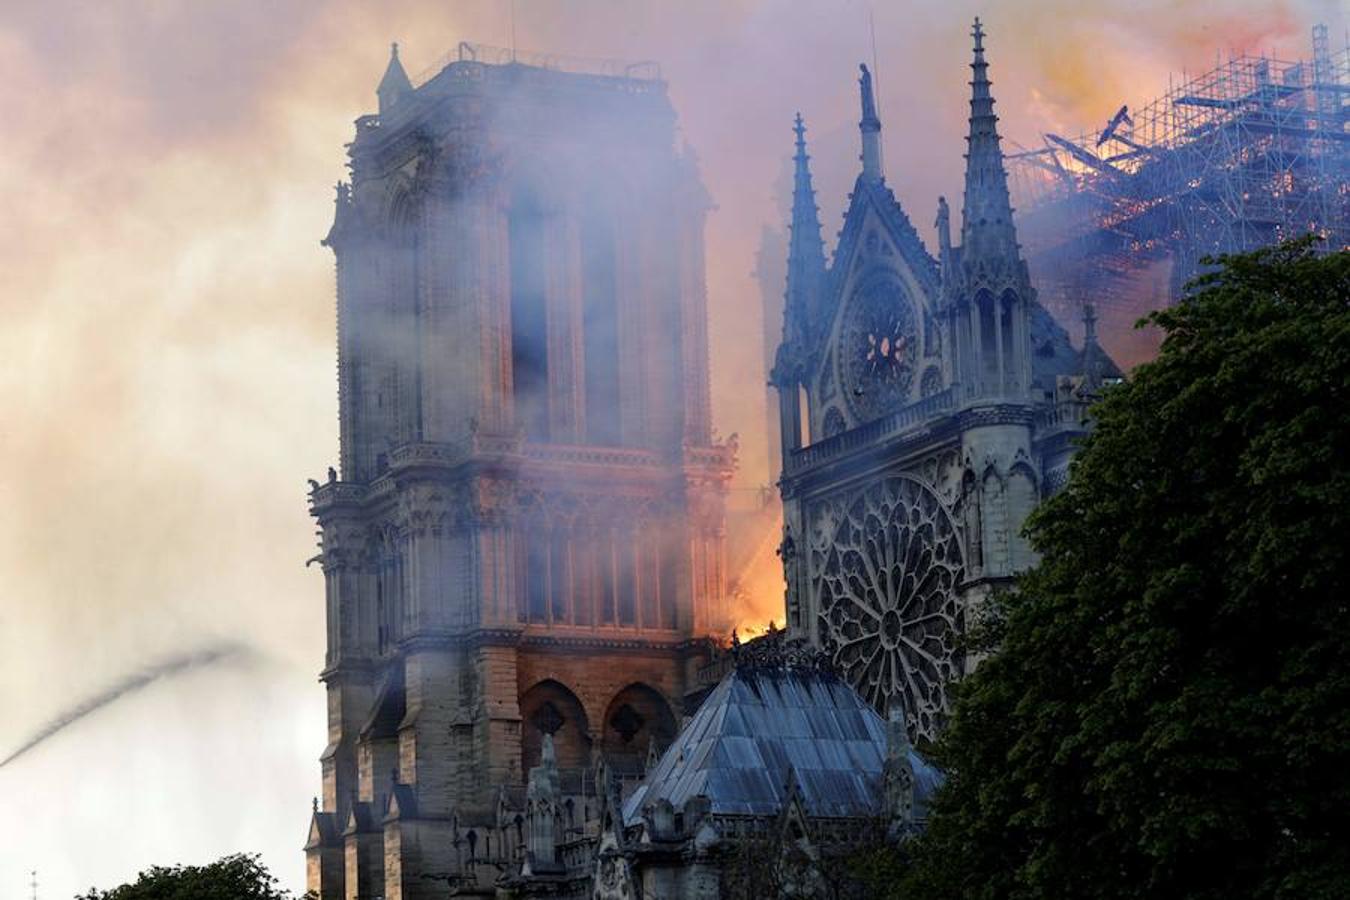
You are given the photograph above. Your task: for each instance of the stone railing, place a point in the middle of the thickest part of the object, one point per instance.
(335, 492)
(715, 456)
(585, 455)
(1068, 409)
(424, 452)
(868, 434)
(484, 54)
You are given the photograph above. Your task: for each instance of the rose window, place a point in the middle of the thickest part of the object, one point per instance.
(886, 564)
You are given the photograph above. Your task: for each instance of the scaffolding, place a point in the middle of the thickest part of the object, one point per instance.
(1246, 155)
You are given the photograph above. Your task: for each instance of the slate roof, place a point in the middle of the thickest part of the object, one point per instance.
(1052, 353)
(738, 747)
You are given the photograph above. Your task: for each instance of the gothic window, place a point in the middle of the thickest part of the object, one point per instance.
(560, 573)
(886, 565)
(382, 636)
(397, 332)
(649, 577)
(668, 576)
(625, 548)
(583, 578)
(551, 708)
(536, 575)
(637, 717)
(988, 340)
(388, 578)
(600, 329)
(1017, 340)
(1008, 357)
(606, 580)
(529, 316)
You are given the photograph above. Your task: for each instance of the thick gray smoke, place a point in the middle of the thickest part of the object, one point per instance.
(170, 667)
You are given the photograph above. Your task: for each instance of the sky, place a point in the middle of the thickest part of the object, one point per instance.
(167, 376)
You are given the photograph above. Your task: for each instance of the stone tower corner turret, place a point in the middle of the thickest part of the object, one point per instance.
(394, 86)
(987, 290)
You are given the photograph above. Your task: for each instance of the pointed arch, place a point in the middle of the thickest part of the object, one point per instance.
(550, 707)
(637, 716)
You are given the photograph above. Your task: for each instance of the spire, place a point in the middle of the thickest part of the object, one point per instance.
(986, 219)
(897, 771)
(395, 84)
(1092, 370)
(806, 252)
(870, 126)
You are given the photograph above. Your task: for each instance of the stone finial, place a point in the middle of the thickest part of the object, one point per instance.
(395, 85)
(870, 126)
(775, 650)
(541, 810)
(897, 772)
(653, 754)
(944, 230)
(806, 261)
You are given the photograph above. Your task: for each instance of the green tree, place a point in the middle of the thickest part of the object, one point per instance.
(1166, 712)
(238, 877)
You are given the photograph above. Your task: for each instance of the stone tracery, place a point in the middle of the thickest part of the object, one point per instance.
(887, 563)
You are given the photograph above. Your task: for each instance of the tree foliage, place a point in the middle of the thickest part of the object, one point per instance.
(1168, 710)
(238, 877)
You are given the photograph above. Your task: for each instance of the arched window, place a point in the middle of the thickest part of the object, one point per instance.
(649, 577)
(1007, 377)
(550, 708)
(560, 572)
(989, 348)
(637, 717)
(536, 575)
(625, 552)
(526, 223)
(606, 581)
(600, 327)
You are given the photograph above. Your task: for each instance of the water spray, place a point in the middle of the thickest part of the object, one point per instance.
(175, 665)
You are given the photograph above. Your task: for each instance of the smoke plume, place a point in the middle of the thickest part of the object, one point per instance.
(168, 668)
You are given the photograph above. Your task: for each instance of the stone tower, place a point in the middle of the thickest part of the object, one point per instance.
(925, 405)
(525, 536)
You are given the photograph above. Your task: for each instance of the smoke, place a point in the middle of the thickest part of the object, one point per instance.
(168, 668)
(169, 327)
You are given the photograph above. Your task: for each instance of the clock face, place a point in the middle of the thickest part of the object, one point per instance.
(878, 347)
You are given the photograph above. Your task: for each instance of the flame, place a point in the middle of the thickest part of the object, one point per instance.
(758, 591)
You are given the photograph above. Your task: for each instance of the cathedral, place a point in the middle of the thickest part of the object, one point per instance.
(925, 406)
(523, 545)
(524, 538)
